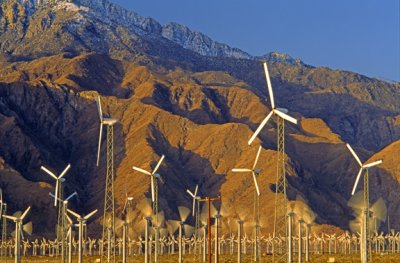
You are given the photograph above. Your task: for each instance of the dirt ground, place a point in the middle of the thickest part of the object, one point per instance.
(395, 258)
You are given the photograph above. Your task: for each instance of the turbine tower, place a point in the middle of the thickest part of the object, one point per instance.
(280, 218)
(3, 211)
(366, 215)
(108, 236)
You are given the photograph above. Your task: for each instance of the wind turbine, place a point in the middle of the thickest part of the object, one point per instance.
(81, 220)
(63, 225)
(254, 171)
(154, 194)
(280, 218)
(183, 214)
(60, 231)
(153, 175)
(18, 220)
(59, 180)
(196, 199)
(366, 167)
(108, 235)
(307, 217)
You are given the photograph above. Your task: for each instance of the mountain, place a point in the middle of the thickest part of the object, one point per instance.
(35, 28)
(179, 93)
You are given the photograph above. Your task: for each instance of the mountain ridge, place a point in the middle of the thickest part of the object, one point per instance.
(197, 110)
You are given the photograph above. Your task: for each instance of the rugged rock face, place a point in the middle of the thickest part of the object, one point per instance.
(29, 28)
(199, 42)
(197, 110)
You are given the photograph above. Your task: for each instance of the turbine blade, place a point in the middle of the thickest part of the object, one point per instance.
(50, 194)
(260, 127)
(10, 217)
(25, 213)
(256, 184)
(74, 214)
(48, 172)
(28, 228)
(241, 170)
(271, 94)
(158, 164)
(72, 195)
(152, 189)
(141, 170)
(190, 193)
(56, 193)
(195, 191)
(98, 102)
(285, 116)
(90, 214)
(65, 171)
(354, 154)
(258, 156)
(356, 182)
(99, 144)
(184, 212)
(379, 210)
(372, 164)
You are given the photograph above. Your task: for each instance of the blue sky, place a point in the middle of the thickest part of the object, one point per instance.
(357, 35)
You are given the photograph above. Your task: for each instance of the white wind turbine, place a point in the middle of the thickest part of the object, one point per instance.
(366, 215)
(254, 171)
(18, 220)
(280, 112)
(153, 175)
(59, 180)
(196, 198)
(154, 197)
(81, 220)
(108, 235)
(280, 218)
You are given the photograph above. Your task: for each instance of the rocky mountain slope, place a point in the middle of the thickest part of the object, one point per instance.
(199, 109)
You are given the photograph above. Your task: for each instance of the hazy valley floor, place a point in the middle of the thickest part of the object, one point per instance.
(391, 258)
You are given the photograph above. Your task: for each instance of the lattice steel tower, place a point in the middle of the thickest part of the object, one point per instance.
(280, 218)
(108, 235)
(4, 232)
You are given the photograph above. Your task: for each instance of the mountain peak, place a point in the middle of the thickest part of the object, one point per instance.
(283, 58)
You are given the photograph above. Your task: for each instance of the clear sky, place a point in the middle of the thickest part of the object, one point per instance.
(357, 35)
